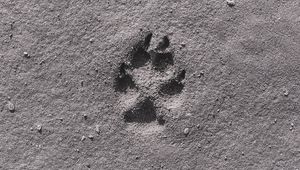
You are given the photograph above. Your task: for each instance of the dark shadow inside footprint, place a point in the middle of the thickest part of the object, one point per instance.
(160, 61)
(123, 81)
(180, 75)
(171, 88)
(174, 86)
(139, 55)
(163, 44)
(144, 112)
(139, 58)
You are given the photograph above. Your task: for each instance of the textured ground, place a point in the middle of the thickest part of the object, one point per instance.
(156, 84)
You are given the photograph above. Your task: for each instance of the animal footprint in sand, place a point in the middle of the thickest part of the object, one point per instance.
(146, 80)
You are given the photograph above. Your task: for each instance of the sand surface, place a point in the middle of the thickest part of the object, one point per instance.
(150, 84)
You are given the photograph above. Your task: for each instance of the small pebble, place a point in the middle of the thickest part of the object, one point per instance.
(183, 45)
(230, 3)
(97, 129)
(286, 92)
(201, 74)
(85, 116)
(83, 138)
(26, 55)
(10, 106)
(39, 128)
(42, 62)
(91, 137)
(198, 126)
(292, 126)
(186, 131)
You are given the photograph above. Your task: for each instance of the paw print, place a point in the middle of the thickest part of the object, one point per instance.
(146, 80)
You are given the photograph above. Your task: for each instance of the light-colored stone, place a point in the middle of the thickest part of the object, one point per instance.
(186, 131)
(97, 129)
(230, 2)
(10, 106)
(39, 128)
